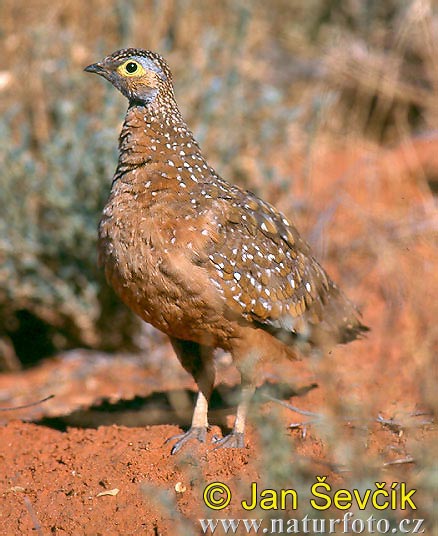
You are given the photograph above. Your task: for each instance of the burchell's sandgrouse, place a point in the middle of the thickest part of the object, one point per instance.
(202, 260)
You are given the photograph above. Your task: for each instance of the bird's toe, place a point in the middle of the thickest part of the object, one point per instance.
(198, 433)
(235, 440)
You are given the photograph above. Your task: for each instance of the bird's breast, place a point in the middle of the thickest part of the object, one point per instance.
(130, 251)
(151, 267)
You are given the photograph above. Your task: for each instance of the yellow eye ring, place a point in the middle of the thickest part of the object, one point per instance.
(131, 68)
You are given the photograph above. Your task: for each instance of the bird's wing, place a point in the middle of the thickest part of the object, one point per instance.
(266, 273)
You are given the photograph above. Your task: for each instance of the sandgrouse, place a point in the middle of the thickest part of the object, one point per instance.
(204, 261)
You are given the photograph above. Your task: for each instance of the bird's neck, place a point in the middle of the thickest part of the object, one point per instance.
(157, 138)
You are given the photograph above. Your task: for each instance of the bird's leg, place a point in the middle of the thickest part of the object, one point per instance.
(198, 428)
(236, 439)
(246, 362)
(198, 361)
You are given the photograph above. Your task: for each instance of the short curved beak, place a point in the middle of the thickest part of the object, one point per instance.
(95, 68)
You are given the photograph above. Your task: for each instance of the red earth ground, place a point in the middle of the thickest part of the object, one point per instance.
(93, 460)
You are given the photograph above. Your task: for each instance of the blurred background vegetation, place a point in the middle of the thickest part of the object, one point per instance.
(250, 76)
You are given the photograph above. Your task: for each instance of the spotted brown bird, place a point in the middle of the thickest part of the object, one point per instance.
(204, 261)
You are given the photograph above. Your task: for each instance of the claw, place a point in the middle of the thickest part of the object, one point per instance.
(235, 440)
(199, 433)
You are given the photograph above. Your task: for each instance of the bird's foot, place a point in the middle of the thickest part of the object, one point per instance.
(195, 432)
(235, 440)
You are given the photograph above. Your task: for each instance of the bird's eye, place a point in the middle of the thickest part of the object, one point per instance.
(131, 67)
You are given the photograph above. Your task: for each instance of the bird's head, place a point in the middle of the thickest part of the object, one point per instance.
(139, 74)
